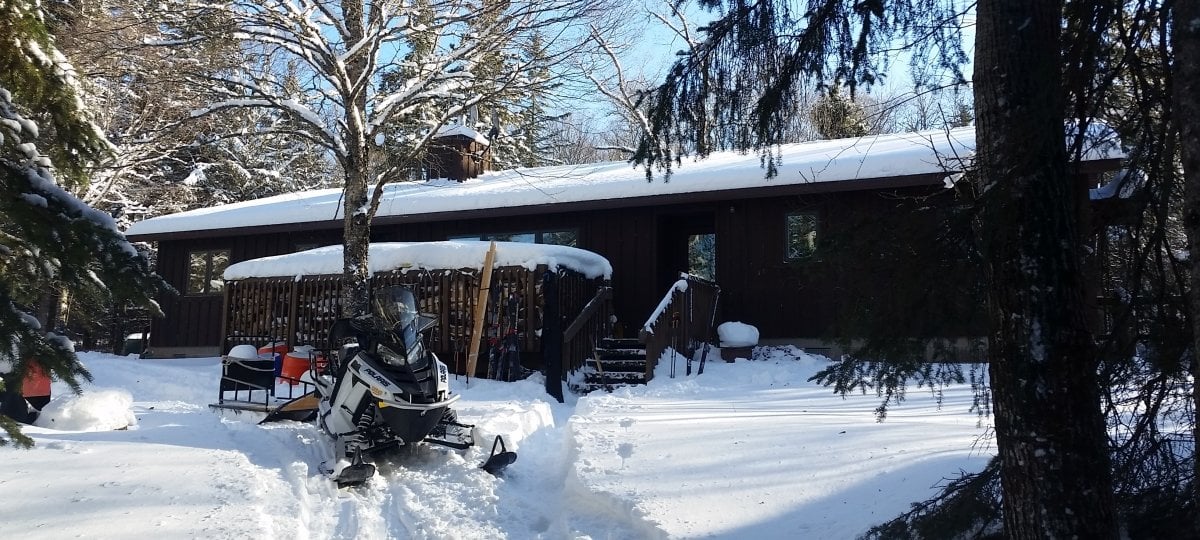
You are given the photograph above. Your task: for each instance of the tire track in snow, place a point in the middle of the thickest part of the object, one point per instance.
(429, 492)
(438, 493)
(288, 453)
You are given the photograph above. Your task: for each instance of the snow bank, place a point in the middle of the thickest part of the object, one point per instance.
(93, 410)
(452, 254)
(737, 334)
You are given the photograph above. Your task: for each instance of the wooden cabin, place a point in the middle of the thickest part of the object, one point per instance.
(772, 244)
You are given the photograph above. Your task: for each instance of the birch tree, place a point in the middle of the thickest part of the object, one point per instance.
(342, 49)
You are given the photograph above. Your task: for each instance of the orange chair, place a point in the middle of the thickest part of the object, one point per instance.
(36, 386)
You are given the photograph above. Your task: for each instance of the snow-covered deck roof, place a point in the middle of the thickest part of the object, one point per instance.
(817, 162)
(385, 256)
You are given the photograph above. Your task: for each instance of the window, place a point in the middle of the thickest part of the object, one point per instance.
(702, 256)
(557, 238)
(204, 271)
(801, 235)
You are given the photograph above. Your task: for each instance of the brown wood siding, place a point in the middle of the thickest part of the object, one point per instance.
(784, 299)
(191, 320)
(852, 269)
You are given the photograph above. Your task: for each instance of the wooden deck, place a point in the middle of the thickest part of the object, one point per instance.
(259, 311)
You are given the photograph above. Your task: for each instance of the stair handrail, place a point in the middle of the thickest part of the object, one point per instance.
(580, 337)
(603, 294)
(680, 304)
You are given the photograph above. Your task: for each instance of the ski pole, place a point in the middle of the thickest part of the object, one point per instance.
(674, 340)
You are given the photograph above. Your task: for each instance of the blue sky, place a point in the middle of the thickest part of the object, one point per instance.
(656, 48)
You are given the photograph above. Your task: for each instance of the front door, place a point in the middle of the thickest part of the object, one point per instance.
(686, 243)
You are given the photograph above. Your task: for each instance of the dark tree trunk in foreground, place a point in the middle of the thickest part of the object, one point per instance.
(1185, 41)
(1050, 430)
(356, 292)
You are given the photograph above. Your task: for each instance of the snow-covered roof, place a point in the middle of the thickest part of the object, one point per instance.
(1122, 186)
(462, 131)
(454, 254)
(832, 161)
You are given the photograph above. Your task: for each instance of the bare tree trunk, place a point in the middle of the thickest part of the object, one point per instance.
(1185, 41)
(356, 235)
(1056, 475)
(356, 290)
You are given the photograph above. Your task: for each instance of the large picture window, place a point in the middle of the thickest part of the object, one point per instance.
(204, 271)
(557, 238)
(801, 230)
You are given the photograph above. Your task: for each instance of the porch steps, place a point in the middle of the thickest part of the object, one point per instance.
(622, 362)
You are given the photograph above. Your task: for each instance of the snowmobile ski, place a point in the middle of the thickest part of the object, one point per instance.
(497, 462)
(354, 473)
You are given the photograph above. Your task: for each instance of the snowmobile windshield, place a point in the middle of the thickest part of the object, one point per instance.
(395, 309)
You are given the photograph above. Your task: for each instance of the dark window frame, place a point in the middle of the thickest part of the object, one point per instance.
(206, 288)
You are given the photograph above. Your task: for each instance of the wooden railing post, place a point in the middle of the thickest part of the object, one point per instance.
(552, 336)
(225, 315)
(293, 307)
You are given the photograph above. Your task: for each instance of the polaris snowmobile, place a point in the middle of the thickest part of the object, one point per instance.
(387, 389)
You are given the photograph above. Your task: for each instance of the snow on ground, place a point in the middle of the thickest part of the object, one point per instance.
(747, 450)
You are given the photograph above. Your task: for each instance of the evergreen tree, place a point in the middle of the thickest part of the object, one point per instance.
(402, 136)
(533, 123)
(838, 117)
(1054, 459)
(48, 238)
(1185, 95)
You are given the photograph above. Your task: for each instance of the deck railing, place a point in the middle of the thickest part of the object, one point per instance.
(683, 320)
(301, 311)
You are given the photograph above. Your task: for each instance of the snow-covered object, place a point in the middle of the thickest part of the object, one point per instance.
(247, 352)
(737, 334)
(452, 254)
(1122, 185)
(93, 410)
(681, 286)
(841, 160)
(460, 130)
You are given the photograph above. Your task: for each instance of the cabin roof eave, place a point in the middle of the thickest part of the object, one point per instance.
(731, 194)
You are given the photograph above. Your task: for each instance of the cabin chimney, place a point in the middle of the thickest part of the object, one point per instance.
(459, 153)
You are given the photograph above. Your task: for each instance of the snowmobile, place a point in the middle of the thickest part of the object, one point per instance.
(386, 389)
